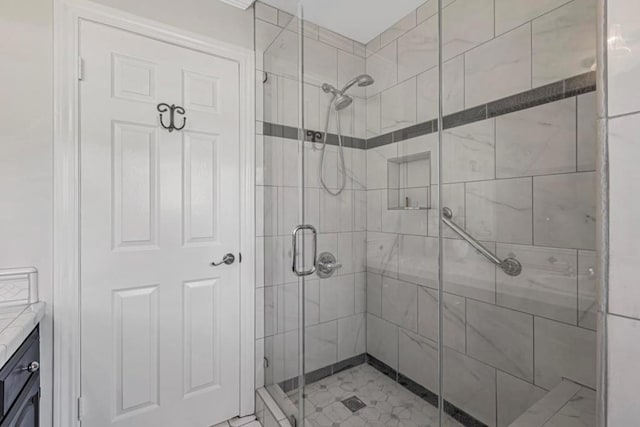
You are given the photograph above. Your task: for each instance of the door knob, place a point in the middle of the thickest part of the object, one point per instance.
(227, 259)
(32, 367)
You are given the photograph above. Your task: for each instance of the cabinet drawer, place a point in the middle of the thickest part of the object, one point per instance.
(14, 375)
(26, 410)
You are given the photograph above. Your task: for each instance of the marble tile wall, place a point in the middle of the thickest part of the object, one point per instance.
(523, 183)
(329, 58)
(512, 181)
(491, 49)
(335, 307)
(530, 331)
(620, 125)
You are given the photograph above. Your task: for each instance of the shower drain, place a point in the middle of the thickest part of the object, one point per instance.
(353, 404)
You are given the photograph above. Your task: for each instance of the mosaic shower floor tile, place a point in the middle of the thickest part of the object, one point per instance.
(387, 402)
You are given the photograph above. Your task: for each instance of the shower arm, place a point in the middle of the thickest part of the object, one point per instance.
(510, 266)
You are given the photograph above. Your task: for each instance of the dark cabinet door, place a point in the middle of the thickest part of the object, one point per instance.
(26, 410)
(15, 374)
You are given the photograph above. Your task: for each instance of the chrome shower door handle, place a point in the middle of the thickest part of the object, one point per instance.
(294, 237)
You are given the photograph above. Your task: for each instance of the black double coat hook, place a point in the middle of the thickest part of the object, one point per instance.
(172, 109)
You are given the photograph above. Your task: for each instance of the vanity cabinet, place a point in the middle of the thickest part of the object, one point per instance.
(20, 385)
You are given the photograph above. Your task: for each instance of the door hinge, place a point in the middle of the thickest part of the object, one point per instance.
(240, 257)
(80, 68)
(80, 408)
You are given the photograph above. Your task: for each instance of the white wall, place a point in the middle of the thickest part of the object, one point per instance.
(26, 85)
(623, 116)
(26, 127)
(209, 17)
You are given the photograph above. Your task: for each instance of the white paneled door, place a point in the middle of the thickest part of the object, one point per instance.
(160, 324)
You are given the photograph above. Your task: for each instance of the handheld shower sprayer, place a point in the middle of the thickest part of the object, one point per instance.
(340, 101)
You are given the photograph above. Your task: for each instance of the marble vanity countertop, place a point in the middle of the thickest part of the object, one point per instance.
(16, 323)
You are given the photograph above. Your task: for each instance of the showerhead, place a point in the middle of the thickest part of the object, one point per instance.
(340, 98)
(362, 80)
(342, 101)
(365, 80)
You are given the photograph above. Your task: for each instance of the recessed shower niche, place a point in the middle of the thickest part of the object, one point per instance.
(409, 182)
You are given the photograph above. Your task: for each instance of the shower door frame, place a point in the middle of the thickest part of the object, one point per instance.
(67, 406)
(302, 333)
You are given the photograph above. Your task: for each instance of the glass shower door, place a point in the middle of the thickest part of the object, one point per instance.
(288, 237)
(518, 210)
(371, 352)
(445, 158)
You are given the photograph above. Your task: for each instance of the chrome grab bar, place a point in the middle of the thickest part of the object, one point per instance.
(510, 266)
(294, 235)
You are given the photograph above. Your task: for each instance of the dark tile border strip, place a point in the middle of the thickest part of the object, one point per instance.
(281, 131)
(531, 98)
(415, 130)
(581, 84)
(567, 88)
(380, 140)
(425, 394)
(382, 367)
(327, 371)
(461, 416)
(289, 132)
(464, 117)
(418, 390)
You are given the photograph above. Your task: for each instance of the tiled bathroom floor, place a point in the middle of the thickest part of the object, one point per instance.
(387, 403)
(236, 422)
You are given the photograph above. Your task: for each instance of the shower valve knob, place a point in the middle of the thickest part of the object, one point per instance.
(327, 265)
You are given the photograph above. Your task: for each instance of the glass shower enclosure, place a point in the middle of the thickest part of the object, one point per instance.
(426, 198)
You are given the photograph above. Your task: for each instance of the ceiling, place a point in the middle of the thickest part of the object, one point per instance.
(360, 20)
